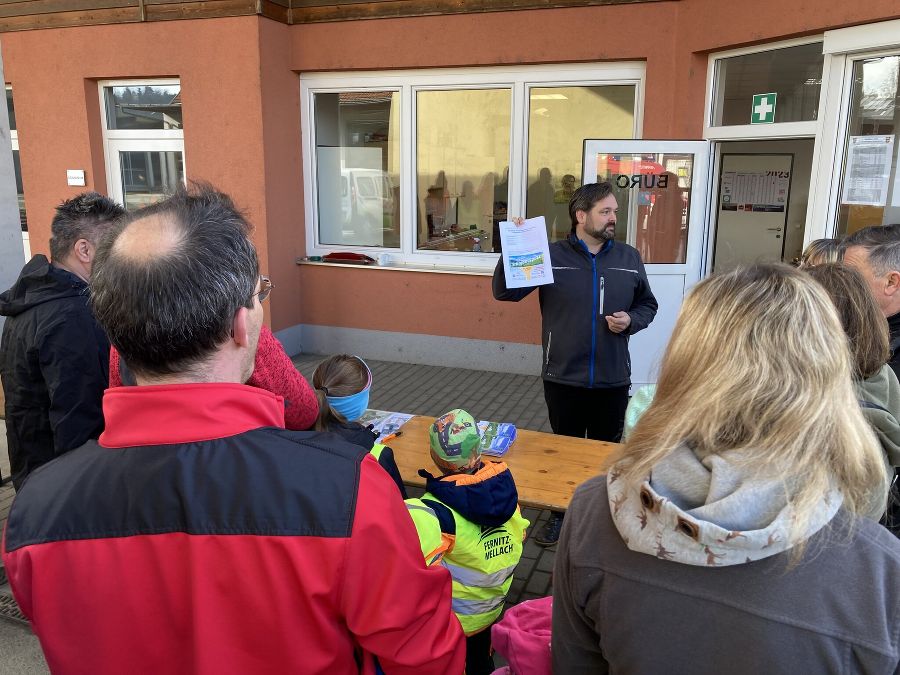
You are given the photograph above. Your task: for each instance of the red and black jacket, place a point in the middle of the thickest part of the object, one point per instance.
(198, 536)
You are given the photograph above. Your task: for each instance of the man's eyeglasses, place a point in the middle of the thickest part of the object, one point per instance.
(265, 287)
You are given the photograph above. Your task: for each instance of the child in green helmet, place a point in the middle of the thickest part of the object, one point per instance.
(476, 507)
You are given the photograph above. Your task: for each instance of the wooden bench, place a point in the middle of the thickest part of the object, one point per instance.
(547, 468)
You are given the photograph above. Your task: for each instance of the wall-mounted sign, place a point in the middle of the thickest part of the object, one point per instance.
(763, 109)
(760, 191)
(75, 177)
(869, 162)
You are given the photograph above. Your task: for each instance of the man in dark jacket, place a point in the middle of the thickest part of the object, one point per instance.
(54, 357)
(599, 297)
(875, 252)
(197, 535)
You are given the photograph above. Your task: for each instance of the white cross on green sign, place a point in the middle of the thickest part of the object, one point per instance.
(763, 111)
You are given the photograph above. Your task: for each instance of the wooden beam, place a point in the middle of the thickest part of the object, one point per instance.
(166, 10)
(313, 11)
(36, 7)
(65, 19)
(279, 11)
(18, 15)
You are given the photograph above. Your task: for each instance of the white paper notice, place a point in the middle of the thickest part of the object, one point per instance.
(526, 253)
(867, 179)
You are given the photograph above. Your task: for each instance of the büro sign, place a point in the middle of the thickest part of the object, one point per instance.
(642, 180)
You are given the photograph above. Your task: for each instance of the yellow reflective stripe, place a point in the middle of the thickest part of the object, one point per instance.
(465, 606)
(476, 579)
(376, 450)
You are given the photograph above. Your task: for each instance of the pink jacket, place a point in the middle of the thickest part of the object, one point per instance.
(522, 637)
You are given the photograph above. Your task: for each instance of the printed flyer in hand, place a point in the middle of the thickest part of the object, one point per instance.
(526, 253)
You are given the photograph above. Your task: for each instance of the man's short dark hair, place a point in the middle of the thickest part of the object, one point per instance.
(166, 313)
(882, 243)
(86, 216)
(584, 198)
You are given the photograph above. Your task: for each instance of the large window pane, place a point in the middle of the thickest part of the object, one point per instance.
(654, 195)
(17, 169)
(793, 73)
(143, 107)
(358, 168)
(560, 119)
(870, 191)
(462, 163)
(148, 177)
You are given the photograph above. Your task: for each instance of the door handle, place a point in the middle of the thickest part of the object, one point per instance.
(774, 229)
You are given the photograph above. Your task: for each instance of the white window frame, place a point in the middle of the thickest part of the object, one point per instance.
(843, 48)
(769, 132)
(135, 140)
(519, 79)
(749, 132)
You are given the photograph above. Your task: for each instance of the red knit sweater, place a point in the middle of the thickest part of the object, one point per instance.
(273, 371)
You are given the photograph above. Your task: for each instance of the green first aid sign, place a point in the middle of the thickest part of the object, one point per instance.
(763, 111)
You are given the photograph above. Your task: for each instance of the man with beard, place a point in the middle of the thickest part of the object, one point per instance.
(600, 296)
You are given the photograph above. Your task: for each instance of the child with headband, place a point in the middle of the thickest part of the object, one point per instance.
(342, 384)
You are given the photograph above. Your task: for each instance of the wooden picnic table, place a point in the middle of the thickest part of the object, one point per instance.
(547, 468)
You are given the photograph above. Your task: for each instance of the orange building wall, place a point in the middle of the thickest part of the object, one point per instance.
(54, 76)
(241, 109)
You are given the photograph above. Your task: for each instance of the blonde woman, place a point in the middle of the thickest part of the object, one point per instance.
(729, 535)
(821, 251)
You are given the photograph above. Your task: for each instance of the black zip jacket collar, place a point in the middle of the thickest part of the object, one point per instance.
(578, 347)
(40, 282)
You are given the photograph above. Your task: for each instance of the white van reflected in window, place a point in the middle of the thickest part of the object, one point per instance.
(367, 206)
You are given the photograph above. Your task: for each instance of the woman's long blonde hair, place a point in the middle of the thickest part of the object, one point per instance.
(758, 361)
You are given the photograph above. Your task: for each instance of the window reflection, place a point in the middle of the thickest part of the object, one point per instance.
(148, 177)
(20, 192)
(358, 167)
(462, 160)
(144, 107)
(11, 109)
(793, 73)
(654, 193)
(559, 119)
(870, 193)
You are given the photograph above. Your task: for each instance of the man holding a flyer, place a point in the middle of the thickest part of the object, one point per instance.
(595, 296)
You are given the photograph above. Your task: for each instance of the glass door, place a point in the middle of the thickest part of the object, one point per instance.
(662, 190)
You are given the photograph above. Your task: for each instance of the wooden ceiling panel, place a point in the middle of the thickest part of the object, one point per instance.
(35, 14)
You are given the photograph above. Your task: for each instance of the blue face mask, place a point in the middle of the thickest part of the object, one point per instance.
(352, 407)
